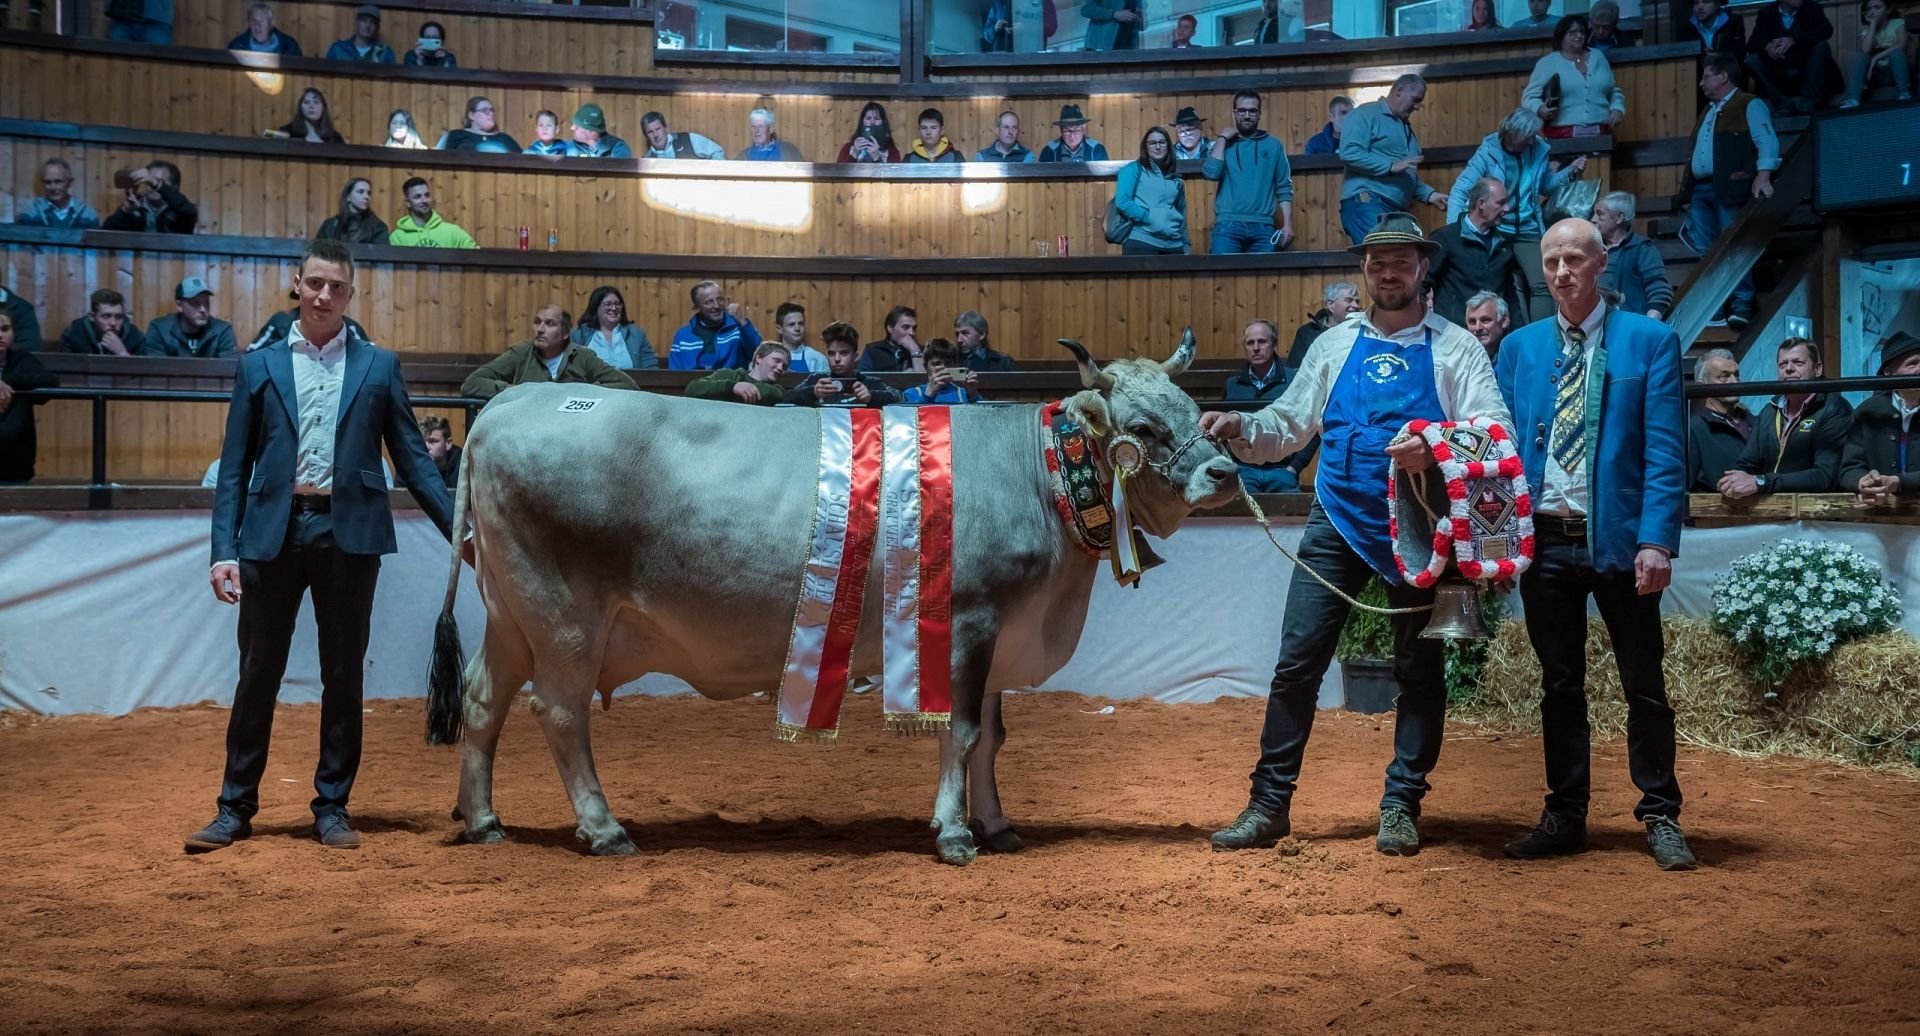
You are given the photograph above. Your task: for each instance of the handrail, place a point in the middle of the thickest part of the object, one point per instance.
(1740, 246)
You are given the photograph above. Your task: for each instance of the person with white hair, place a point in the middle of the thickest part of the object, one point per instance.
(1489, 320)
(765, 143)
(1605, 18)
(1719, 426)
(1341, 298)
(1634, 267)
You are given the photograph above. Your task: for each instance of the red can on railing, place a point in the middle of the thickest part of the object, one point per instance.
(523, 239)
(1062, 251)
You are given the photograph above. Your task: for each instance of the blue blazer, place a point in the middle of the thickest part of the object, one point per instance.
(1636, 430)
(253, 499)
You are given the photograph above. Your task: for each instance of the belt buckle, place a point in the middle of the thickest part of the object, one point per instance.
(1575, 525)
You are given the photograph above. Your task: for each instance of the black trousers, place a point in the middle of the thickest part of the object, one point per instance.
(1555, 591)
(342, 586)
(1805, 80)
(1308, 634)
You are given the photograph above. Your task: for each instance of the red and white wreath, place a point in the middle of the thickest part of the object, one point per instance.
(1489, 519)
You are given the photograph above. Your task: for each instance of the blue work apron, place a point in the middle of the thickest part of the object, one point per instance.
(1383, 386)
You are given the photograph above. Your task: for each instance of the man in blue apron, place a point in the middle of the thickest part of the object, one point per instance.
(1361, 382)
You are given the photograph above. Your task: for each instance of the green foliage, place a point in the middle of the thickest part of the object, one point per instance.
(1467, 659)
(1367, 634)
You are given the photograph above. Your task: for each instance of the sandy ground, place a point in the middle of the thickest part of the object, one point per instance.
(792, 889)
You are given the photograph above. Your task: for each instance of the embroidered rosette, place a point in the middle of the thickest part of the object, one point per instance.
(1487, 527)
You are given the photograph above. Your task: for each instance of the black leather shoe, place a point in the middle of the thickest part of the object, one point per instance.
(1252, 829)
(334, 832)
(1555, 835)
(226, 829)
(1669, 845)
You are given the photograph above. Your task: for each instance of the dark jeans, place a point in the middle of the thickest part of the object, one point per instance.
(1555, 592)
(1709, 216)
(1308, 634)
(1804, 80)
(1277, 478)
(1241, 237)
(342, 587)
(1132, 247)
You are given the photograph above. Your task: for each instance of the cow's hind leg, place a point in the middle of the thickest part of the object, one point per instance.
(955, 843)
(564, 708)
(983, 795)
(492, 680)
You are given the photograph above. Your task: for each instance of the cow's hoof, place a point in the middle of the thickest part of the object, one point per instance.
(956, 849)
(489, 833)
(615, 844)
(1003, 841)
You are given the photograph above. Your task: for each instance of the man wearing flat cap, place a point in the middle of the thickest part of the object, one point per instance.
(1883, 449)
(1073, 144)
(365, 45)
(1361, 382)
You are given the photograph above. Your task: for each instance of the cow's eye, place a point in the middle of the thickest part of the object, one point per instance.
(1140, 430)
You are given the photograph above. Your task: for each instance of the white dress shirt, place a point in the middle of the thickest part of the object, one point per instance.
(1462, 375)
(317, 373)
(1562, 492)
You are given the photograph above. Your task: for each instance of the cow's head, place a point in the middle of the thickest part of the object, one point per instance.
(1185, 470)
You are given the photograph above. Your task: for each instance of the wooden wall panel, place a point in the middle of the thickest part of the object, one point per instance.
(490, 41)
(168, 95)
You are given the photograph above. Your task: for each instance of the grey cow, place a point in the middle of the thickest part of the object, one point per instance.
(656, 534)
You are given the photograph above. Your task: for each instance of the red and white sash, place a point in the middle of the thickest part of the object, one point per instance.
(886, 481)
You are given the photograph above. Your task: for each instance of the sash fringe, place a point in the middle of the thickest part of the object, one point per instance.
(790, 734)
(918, 724)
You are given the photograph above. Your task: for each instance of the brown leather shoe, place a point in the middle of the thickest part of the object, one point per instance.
(334, 832)
(225, 830)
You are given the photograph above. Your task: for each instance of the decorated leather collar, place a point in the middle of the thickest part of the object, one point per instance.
(1079, 490)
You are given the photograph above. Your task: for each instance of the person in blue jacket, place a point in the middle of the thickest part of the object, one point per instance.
(1599, 423)
(365, 45)
(715, 337)
(262, 38)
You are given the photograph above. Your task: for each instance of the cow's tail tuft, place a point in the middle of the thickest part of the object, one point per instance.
(446, 682)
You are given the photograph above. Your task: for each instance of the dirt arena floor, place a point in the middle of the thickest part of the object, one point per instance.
(787, 888)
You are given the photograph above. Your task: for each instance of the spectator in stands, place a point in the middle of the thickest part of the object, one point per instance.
(1255, 179)
(311, 121)
(1790, 56)
(56, 207)
(1481, 17)
(758, 382)
(1516, 155)
(1881, 48)
(438, 435)
(481, 133)
(1489, 320)
(717, 335)
(1151, 195)
(1073, 144)
(765, 144)
(970, 334)
(547, 356)
(1263, 380)
(898, 351)
(1572, 86)
(1190, 143)
(1798, 441)
(1006, 146)
(996, 27)
(546, 135)
(365, 44)
(20, 371)
(1473, 255)
(141, 21)
(872, 139)
(1718, 426)
(105, 330)
(1634, 267)
(841, 384)
(191, 330)
(1113, 24)
(402, 133)
(1735, 152)
(1382, 158)
(1280, 22)
(1327, 141)
(1718, 31)
(26, 323)
(948, 382)
(154, 203)
(262, 38)
(1341, 298)
(790, 320)
(664, 143)
(1539, 15)
(430, 50)
(422, 227)
(355, 223)
(933, 145)
(1882, 458)
(1183, 29)
(1604, 16)
(608, 331)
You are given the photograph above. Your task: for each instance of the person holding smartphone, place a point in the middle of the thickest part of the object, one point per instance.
(430, 50)
(841, 384)
(872, 140)
(154, 204)
(948, 380)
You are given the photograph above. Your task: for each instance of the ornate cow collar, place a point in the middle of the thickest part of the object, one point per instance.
(1079, 486)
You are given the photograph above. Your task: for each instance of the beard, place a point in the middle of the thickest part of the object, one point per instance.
(1392, 300)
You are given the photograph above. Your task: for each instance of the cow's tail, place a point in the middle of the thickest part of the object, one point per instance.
(446, 685)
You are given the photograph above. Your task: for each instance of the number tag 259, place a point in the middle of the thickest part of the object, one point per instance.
(577, 405)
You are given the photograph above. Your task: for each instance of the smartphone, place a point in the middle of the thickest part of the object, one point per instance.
(123, 179)
(428, 44)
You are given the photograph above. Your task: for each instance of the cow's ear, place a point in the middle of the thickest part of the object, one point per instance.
(1094, 412)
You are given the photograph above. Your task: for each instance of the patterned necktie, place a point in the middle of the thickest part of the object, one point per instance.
(1570, 404)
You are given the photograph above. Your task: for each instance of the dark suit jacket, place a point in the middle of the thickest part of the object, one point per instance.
(1465, 266)
(253, 500)
(1810, 26)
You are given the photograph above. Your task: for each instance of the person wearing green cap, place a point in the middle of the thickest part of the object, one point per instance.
(192, 330)
(590, 136)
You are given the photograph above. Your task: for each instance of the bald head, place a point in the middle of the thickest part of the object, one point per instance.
(1572, 255)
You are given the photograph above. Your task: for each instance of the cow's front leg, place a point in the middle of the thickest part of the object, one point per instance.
(563, 715)
(955, 841)
(983, 795)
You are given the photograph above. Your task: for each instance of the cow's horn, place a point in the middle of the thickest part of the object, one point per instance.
(1182, 357)
(1090, 373)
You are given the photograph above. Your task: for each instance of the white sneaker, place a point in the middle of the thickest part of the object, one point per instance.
(1844, 105)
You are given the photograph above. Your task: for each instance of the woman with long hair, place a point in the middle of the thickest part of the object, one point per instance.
(1882, 47)
(355, 224)
(1572, 88)
(1482, 16)
(608, 331)
(401, 132)
(1150, 194)
(872, 139)
(311, 120)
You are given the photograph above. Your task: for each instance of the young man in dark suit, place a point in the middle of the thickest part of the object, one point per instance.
(302, 504)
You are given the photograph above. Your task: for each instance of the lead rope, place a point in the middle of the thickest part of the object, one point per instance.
(1260, 516)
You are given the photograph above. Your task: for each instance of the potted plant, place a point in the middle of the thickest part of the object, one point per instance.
(1365, 653)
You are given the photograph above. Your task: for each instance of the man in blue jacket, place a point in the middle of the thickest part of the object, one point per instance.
(1255, 178)
(301, 503)
(1599, 423)
(715, 338)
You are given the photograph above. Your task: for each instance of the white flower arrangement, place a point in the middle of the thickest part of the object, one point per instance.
(1795, 602)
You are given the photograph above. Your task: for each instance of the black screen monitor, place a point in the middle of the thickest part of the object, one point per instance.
(1867, 158)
